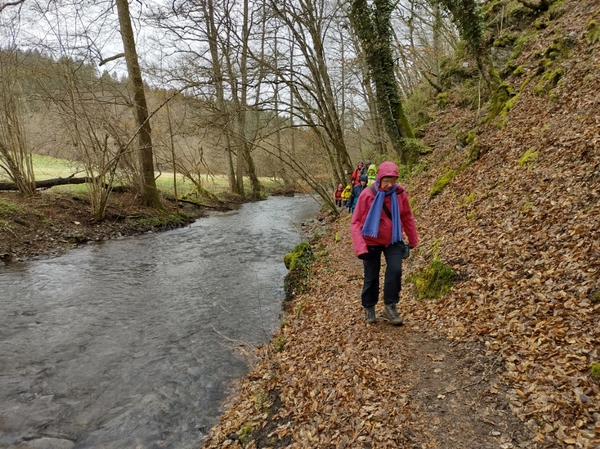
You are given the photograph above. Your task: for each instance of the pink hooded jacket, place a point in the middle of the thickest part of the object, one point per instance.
(363, 205)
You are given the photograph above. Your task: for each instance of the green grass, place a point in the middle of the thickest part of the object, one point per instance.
(6, 208)
(46, 167)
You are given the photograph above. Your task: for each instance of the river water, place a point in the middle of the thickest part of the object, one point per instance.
(134, 343)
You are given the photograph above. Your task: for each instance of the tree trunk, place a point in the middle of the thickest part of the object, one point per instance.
(373, 28)
(217, 70)
(149, 192)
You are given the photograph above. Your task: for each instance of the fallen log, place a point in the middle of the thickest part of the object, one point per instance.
(47, 183)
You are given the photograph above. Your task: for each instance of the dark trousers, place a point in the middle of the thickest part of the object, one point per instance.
(392, 282)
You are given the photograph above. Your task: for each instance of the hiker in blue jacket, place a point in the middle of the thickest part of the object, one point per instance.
(356, 191)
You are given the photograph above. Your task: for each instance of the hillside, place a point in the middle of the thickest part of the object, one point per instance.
(520, 227)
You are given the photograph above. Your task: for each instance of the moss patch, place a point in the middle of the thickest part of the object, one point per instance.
(442, 182)
(595, 371)
(548, 82)
(434, 281)
(593, 32)
(528, 158)
(298, 262)
(6, 208)
(469, 198)
(499, 100)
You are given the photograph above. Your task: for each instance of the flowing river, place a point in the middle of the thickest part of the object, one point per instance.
(134, 343)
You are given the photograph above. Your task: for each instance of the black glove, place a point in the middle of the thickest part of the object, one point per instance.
(372, 253)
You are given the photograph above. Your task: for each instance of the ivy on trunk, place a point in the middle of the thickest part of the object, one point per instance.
(372, 25)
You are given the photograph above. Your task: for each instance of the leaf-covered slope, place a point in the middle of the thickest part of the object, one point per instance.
(521, 226)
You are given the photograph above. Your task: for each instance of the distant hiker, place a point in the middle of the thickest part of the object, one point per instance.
(381, 217)
(346, 195)
(371, 174)
(363, 170)
(356, 191)
(356, 173)
(337, 194)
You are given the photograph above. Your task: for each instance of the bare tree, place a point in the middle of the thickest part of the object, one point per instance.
(146, 158)
(310, 84)
(15, 153)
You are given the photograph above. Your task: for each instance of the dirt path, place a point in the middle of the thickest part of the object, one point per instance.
(330, 381)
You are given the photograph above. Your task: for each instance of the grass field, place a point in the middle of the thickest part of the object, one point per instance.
(46, 167)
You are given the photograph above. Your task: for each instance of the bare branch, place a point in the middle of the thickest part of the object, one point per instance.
(6, 5)
(112, 58)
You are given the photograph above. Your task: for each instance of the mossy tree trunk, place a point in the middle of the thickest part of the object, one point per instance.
(467, 16)
(372, 25)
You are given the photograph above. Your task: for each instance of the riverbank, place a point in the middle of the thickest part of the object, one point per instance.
(48, 224)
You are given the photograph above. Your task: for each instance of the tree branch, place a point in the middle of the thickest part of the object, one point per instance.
(112, 58)
(5, 5)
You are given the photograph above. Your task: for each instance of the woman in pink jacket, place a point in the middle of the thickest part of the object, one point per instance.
(381, 217)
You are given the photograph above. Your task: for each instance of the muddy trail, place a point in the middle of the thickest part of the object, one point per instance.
(329, 380)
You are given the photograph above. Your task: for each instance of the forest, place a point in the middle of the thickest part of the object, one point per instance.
(295, 91)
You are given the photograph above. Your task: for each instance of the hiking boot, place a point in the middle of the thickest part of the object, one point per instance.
(370, 315)
(390, 314)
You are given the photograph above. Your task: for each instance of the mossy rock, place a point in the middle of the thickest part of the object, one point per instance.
(522, 41)
(505, 40)
(455, 70)
(298, 263)
(414, 148)
(548, 82)
(518, 71)
(501, 96)
(434, 281)
(508, 69)
(442, 99)
(511, 14)
(559, 49)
